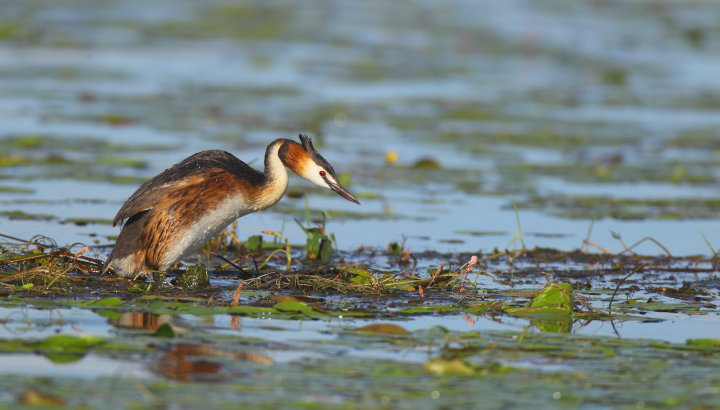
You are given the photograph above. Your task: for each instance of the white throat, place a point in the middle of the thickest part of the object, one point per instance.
(277, 179)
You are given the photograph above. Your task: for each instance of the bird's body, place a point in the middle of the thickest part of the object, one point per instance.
(174, 213)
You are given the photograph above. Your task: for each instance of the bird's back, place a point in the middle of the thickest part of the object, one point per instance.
(200, 166)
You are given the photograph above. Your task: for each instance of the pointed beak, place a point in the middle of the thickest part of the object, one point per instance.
(342, 192)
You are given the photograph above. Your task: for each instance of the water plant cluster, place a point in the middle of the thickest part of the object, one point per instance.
(539, 225)
(192, 331)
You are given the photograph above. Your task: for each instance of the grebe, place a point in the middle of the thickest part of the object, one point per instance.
(174, 213)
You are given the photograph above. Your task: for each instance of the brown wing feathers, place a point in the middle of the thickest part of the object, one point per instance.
(181, 175)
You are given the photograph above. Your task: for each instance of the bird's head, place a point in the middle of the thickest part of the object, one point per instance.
(304, 160)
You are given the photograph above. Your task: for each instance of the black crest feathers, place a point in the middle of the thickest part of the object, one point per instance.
(310, 149)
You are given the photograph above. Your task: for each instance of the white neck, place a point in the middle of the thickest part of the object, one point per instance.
(276, 177)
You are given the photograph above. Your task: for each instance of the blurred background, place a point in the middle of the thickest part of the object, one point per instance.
(458, 123)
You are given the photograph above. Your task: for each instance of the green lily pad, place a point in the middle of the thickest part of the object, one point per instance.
(254, 243)
(67, 348)
(445, 367)
(419, 310)
(361, 276)
(251, 310)
(705, 343)
(558, 295)
(112, 301)
(290, 306)
(165, 330)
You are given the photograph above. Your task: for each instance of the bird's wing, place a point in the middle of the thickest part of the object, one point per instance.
(145, 198)
(184, 173)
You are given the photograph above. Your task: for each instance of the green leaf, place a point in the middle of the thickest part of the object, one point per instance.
(656, 306)
(106, 302)
(427, 163)
(312, 244)
(254, 243)
(204, 310)
(290, 306)
(111, 314)
(165, 330)
(63, 357)
(362, 276)
(459, 367)
(442, 367)
(138, 287)
(394, 249)
(427, 309)
(160, 307)
(704, 342)
(345, 178)
(554, 300)
(540, 310)
(557, 295)
(563, 325)
(479, 307)
(251, 310)
(69, 342)
(326, 249)
(67, 348)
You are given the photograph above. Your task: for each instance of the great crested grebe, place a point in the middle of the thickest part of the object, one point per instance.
(173, 214)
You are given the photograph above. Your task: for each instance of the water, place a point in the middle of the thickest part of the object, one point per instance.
(559, 121)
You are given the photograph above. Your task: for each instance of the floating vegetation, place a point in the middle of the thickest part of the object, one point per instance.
(450, 121)
(25, 216)
(34, 142)
(14, 190)
(607, 172)
(87, 221)
(179, 337)
(585, 207)
(23, 262)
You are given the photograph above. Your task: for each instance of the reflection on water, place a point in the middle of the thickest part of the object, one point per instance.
(188, 361)
(203, 362)
(140, 320)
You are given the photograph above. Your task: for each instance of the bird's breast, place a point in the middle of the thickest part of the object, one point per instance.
(205, 225)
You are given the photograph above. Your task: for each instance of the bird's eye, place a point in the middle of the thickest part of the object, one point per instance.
(322, 174)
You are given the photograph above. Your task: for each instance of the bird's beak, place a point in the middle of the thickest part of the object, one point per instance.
(342, 192)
